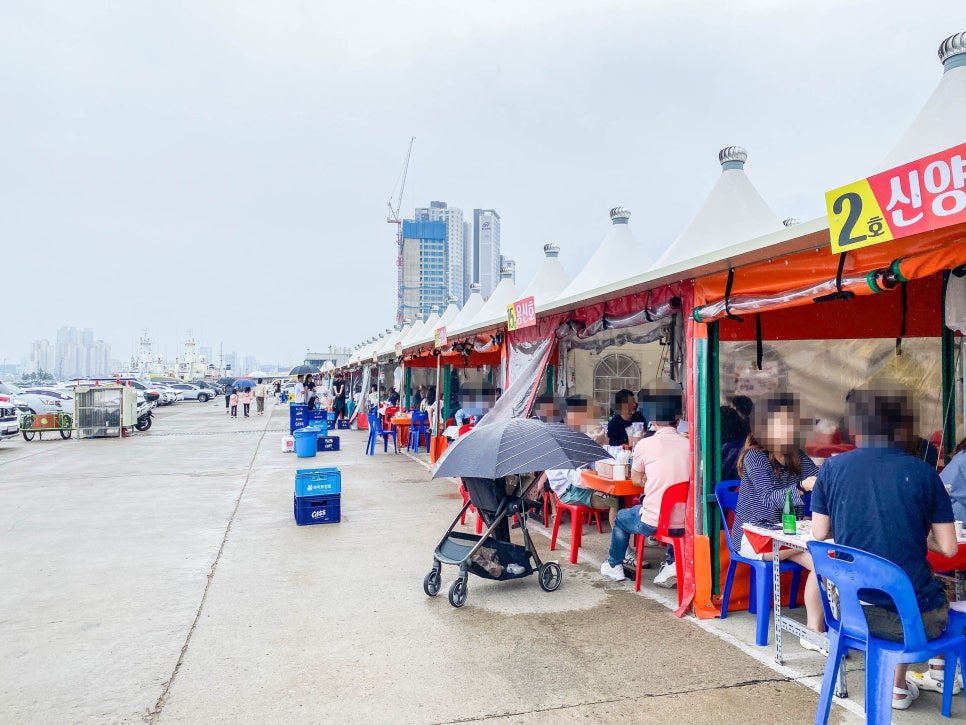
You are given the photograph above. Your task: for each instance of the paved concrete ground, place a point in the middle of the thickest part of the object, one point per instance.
(161, 578)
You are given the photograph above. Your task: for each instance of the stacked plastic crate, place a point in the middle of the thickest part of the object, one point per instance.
(318, 496)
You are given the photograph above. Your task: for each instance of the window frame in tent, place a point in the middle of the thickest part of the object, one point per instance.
(606, 402)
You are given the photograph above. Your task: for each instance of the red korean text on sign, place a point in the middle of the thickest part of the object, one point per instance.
(926, 194)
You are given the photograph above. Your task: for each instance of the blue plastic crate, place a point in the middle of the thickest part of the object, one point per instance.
(320, 419)
(342, 424)
(318, 509)
(298, 417)
(327, 443)
(318, 481)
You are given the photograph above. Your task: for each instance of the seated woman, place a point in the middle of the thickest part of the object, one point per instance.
(565, 482)
(770, 466)
(954, 478)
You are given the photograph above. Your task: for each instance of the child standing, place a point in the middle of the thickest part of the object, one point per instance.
(233, 403)
(246, 399)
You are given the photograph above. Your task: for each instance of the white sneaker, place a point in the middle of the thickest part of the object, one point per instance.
(614, 573)
(667, 577)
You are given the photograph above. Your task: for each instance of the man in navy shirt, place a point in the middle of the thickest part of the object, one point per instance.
(880, 499)
(626, 406)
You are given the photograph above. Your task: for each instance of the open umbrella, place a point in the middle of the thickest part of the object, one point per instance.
(517, 445)
(258, 374)
(304, 370)
(244, 383)
(225, 381)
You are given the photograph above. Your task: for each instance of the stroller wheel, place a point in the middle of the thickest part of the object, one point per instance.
(550, 576)
(431, 583)
(457, 593)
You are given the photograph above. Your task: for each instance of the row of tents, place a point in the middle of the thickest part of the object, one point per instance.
(741, 302)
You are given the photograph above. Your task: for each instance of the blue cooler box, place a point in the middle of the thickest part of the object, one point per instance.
(319, 419)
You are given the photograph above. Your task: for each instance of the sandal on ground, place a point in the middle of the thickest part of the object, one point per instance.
(932, 679)
(911, 692)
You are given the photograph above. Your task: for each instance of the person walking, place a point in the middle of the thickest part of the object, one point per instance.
(228, 391)
(233, 400)
(260, 392)
(246, 400)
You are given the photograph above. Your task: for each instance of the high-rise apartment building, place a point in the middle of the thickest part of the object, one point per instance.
(469, 270)
(74, 354)
(453, 218)
(425, 267)
(486, 249)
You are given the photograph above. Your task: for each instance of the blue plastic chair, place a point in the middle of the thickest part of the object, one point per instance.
(375, 431)
(418, 427)
(853, 571)
(760, 600)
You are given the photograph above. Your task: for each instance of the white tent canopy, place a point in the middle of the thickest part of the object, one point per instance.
(550, 278)
(618, 250)
(428, 329)
(941, 123)
(494, 309)
(733, 211)
(466, 315)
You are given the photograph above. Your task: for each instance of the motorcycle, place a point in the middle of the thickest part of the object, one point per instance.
(145, 417)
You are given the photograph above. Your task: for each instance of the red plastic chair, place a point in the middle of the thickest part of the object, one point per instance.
(546, 508)
(472, 509)
(674, 496)
(577, 517)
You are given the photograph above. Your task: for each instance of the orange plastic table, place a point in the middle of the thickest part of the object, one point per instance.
(620, 487)
(401, 423)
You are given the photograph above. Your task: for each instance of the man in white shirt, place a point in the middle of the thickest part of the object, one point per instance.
(299, 391)
(659, 461)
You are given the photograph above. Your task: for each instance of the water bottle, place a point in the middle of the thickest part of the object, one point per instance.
(788, 514)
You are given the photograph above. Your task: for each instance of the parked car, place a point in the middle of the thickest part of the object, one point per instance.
(8, 391)
(193, 392)
(168, 394)
(151, 393)
(44, 400)
(9, 420)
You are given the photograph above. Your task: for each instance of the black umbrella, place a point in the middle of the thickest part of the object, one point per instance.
(225, 381)
(517, 445)
(304, 370)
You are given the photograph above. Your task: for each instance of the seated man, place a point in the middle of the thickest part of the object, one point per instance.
(565, 482)
(659, 462)
(627, 413)
(880, 499)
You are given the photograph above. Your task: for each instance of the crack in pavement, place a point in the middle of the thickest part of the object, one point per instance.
(615, 700)
(153, 715)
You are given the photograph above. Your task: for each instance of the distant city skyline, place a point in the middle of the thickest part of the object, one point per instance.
(78, 352)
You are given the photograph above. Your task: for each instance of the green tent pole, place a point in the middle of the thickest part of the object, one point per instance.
(711, 449)
(447, 386)
(408, 383)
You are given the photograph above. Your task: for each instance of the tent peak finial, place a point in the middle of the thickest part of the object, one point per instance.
(619, 215)
(475, 287)
(551, 250)
(952, 51)
(732, 157)
(790, 222)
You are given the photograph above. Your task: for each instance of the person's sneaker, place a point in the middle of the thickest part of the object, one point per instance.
(630, 562)
(932, 680)
(614, 573)
(667, 577)
(651, 541)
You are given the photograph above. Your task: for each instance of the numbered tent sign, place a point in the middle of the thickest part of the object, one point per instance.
(398, 349)
(913, 198)
(520, 314)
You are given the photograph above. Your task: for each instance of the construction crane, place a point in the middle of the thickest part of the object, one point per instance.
(394, 218)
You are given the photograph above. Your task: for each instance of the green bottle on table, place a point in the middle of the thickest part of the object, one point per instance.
(788, 514)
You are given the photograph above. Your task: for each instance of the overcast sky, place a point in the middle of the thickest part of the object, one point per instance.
(224, 167)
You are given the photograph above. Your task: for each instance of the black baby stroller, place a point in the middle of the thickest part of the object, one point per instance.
(492, 555)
